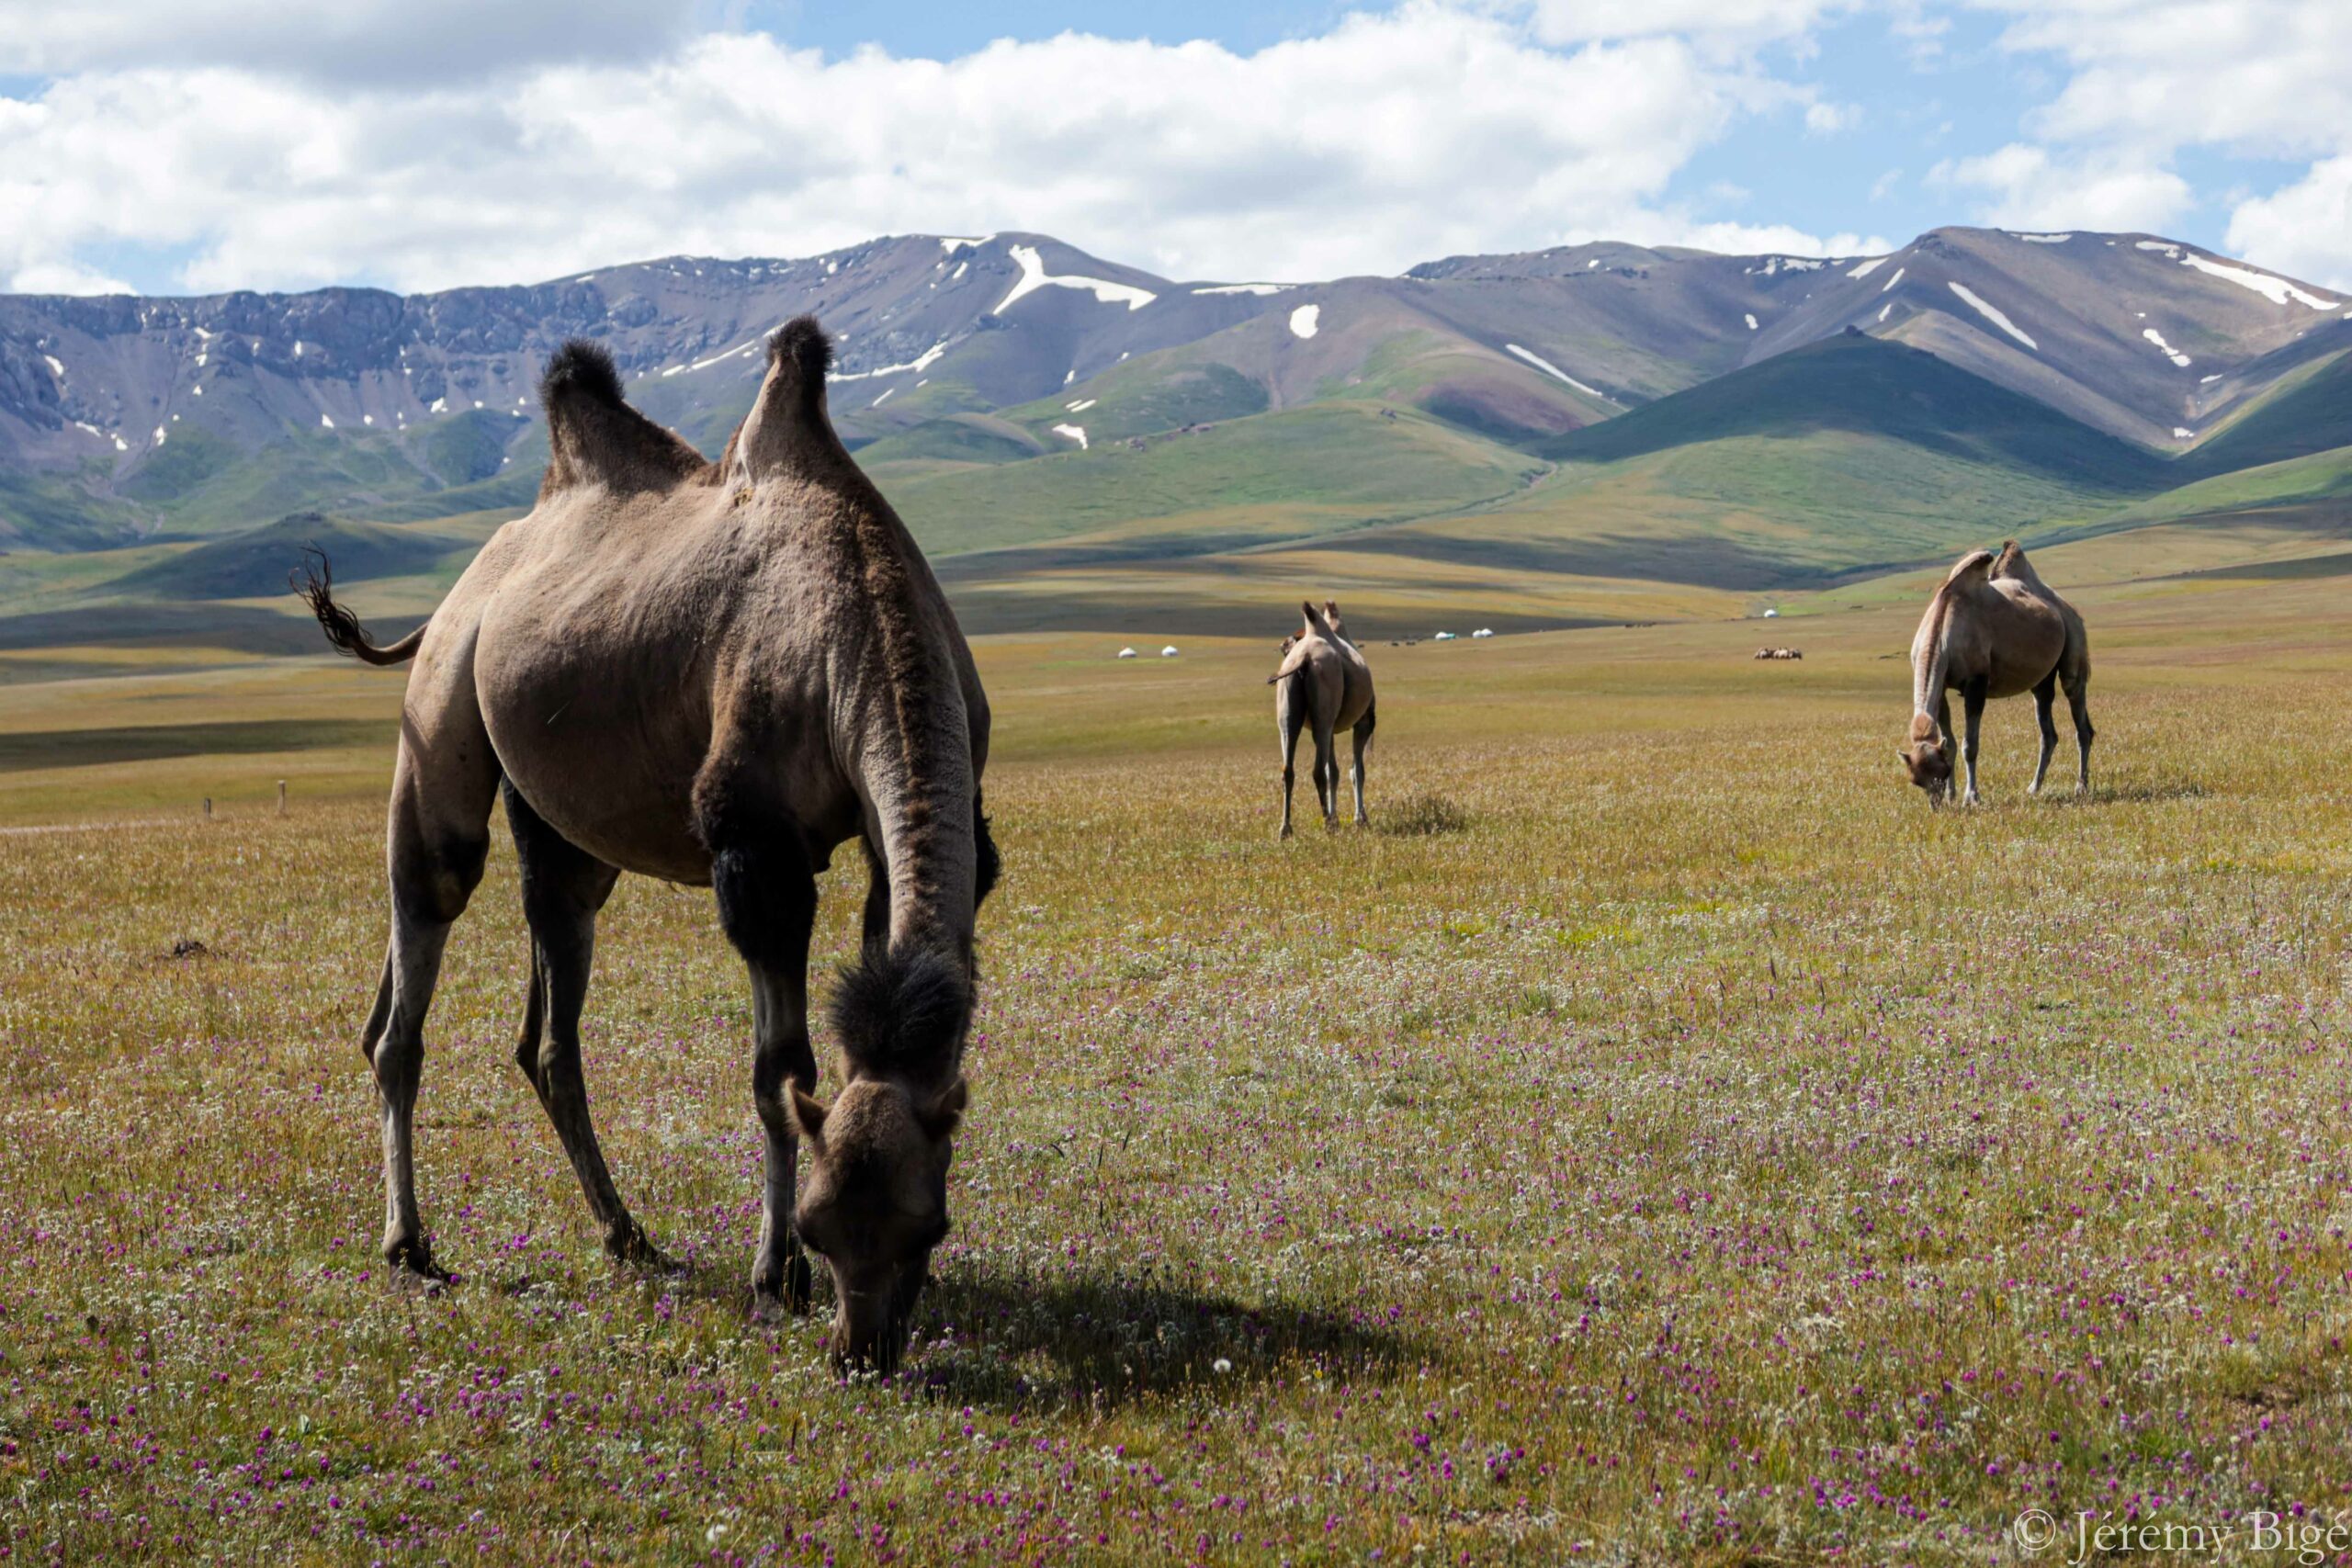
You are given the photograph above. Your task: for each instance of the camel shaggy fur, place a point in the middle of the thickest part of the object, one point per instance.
(1323, 684)
(713, 673)
(1994, 629)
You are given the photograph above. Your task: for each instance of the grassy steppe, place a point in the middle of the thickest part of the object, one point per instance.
(1706, 1156)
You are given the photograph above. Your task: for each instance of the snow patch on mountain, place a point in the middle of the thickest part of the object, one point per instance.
(1992, 314)
(1303, 321)
(1245, 288)
(2169, 352)
(1551, 369)
(1035, 277)
(1075, 432)
(921, 362)
(1869, 266)
(2277, 290)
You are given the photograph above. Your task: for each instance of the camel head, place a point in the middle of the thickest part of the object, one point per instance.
(1924, 757)
(874, 1204)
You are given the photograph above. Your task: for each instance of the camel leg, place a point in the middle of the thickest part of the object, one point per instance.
(767, 905)
(2044, 695)
(437, 836)
(2078, 699)
(563, 889)
(1363, 738)
(1951, 746)
(1289, 719)
(1327, 771)
(1972, 702)
(874, 927)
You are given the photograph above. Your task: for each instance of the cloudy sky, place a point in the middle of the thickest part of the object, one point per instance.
(198, 145)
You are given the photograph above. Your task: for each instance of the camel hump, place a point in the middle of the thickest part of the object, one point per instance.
(800, 355)
(788, 430)
(2013, 563)
(1974, 567)
(1314, 621)
(580, 369)
(594, 437)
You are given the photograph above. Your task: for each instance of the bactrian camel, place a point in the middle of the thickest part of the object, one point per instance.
(1325, 684)
(1994, 629)
(713, 673)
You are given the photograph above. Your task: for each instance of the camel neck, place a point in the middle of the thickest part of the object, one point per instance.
(1930, 665)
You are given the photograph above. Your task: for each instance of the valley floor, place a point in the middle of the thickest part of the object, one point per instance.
(1705, 1155)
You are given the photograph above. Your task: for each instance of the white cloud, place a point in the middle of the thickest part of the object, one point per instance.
(2149, 79)
(2304, 230)
(1735, 23)
(1823, 117)
(2024, 186)
(363, 40)
(1751, 238)
(1388, 139)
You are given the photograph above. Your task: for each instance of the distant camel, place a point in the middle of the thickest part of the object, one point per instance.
(712, 673)
(1994, 629)
(1325, 683)
(1780, 653)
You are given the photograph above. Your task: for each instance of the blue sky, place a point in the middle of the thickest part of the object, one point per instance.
(192, 145)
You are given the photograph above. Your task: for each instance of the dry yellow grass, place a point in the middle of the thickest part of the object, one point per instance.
(1703, 1155)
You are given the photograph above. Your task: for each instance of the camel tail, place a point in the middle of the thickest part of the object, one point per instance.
(314, 581)
(902, 1011)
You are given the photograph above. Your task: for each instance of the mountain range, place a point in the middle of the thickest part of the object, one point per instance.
(1066, 434)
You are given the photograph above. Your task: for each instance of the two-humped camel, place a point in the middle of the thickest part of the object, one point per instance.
(713, 673)
(1994, 629)
(1325, 684)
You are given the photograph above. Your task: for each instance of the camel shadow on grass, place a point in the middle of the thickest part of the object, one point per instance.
(1099, 1340)
(985, 1336)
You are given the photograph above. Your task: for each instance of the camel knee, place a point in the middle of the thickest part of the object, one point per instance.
(433, 879)
(766, 891)
(398, 1065)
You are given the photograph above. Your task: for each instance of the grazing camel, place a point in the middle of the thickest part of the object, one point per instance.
(1994, 629)
(1324, 682)
(713, 673)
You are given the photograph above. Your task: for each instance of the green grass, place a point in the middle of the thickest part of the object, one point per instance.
(2318, 482)
(957, 438)
(1159, 392)
(1343, 465)
(2308, 412)
(57, 511)
(1851, 455)
(254, 564)
(1702, 1153)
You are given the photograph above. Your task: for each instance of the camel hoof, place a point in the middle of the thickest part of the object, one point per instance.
(632, 1250)
(773, 1306)
(411, 1266)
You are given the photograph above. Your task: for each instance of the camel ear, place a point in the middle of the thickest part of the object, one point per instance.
(808, 1113)
(939, 1118)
